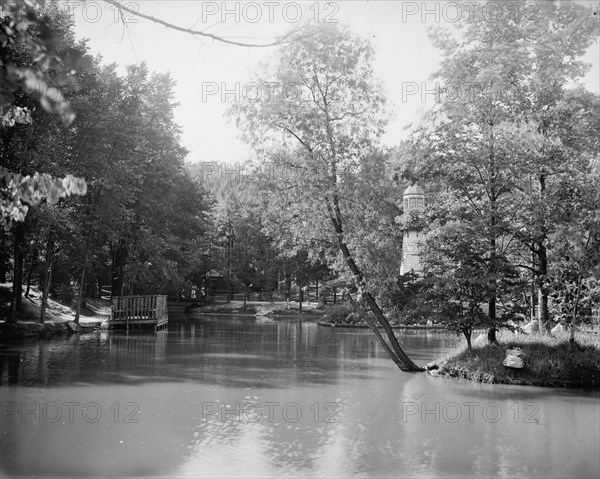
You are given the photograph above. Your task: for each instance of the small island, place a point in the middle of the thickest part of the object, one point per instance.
(549, 360)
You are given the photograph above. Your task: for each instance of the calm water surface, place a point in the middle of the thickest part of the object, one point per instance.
(222, 397)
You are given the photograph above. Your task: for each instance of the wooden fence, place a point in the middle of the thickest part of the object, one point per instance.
(128, 311)
(221, 295)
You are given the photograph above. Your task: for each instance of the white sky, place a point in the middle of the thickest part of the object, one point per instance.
(398, 31)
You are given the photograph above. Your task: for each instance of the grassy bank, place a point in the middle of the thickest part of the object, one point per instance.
(59, 317)
(549, 361)
(30, 329)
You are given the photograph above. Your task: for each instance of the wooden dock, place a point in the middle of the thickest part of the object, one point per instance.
(139, 312)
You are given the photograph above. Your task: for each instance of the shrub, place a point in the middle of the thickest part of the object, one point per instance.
(338, 313)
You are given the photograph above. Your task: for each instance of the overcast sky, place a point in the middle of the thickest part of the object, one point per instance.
(204, 69)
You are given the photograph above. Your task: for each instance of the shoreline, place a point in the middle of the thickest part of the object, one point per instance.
(256, 309)
(365, 326)
(549, 361)
(33, 330)
(59, 317)
(60, 321)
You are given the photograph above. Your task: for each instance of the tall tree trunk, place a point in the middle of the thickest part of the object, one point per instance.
(532, 315)
(542, 256)
(229, 252)
(4, 260)
(288, 285)
(575, 311)
(468, 338)
(278, 281)
(543, 314)
(404, 362)
(16, 303)
(47, 276)
(118, 269)
(491, 333)
(577, 297)
(492, 284)
(81, 283)
(30, 274)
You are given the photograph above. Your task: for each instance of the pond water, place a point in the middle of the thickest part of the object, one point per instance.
(223, 397)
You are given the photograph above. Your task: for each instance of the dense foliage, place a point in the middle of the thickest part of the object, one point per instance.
(137, 229)
(512, 160)
(508, 157)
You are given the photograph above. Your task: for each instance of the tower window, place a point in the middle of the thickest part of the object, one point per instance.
(413, 202)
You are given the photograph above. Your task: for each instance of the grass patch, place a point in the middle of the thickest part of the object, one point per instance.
(296, 313)
(234, 308)
(549, 361)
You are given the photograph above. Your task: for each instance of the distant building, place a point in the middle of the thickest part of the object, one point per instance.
(414, 200)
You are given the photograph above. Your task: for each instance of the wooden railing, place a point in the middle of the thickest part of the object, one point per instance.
(105, 292)
(221, 295)
(150, 309)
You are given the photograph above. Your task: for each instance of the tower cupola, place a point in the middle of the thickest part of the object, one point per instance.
(414, 198)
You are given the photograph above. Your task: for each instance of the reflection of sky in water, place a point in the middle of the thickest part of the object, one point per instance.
(388, 423)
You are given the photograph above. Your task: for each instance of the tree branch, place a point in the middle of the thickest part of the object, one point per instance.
(197, 33)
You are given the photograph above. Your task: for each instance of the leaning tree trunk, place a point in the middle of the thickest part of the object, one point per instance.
(396, 352)
(375, 330)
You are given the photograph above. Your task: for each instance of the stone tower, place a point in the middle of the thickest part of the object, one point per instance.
(414, 199)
